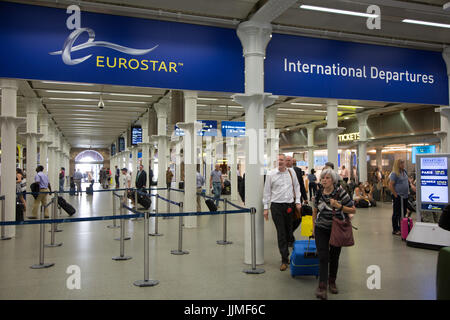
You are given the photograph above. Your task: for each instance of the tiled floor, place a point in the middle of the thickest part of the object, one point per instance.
(209, 271)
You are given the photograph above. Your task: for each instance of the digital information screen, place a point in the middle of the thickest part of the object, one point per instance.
(121, 143)
(433, 181)
(136, 135)
(233, 128)
(113, 149)
(421, 150)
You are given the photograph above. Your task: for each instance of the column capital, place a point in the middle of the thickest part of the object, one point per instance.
(9, 84)
(445, 111)
(362, 118)
(189, 94)
(271, 113)
(31, 134)
(336, 130)
(254, 37)
(246, 100)
(12, 120)
(196, 126)
(332, 103)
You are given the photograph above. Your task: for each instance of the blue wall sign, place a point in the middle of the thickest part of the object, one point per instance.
(121, 144)
(136, 135)
(118, 50)
(233, 128)
(310, 67)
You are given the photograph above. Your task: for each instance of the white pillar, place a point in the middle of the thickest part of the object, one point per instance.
(332, 130)
(254, 37)
(442, 133)
(232, 161)
(52, 170)
(379, 157)
(272, 138)
(310, 132)
(32, 137)
(145, 145)
(209, 162)
(162, 109)
(9, 124)
(362, 146)
(445, 124)
(134, 165)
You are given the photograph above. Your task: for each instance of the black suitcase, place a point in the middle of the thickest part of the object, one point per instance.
(89, 190)
(211, 205)
(19, 211)
(67, 207)
(72, 191)
(144, 201)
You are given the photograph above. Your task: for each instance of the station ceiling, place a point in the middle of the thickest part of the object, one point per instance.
(74, 107)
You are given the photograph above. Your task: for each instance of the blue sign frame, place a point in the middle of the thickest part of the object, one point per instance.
(233, 128)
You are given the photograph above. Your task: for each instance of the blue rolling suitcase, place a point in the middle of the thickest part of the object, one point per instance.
(304, 259)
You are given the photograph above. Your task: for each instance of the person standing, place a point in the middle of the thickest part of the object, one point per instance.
(280, 190)
(344, 174)
(77, 177)
(216, 183)
(200, 184)
(169, 177)
(333, 200)
(116, 177)
(62, 174)
(125, 182)
(141, 178)
(312, 184)
(44, 186)
(399, 186)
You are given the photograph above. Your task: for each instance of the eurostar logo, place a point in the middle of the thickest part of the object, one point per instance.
(74, 22)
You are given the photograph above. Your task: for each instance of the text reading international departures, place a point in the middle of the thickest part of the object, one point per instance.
(364, 72)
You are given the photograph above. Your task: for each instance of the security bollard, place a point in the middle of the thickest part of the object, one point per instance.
(224, 241)
(121, 211)
(146, 282)
(41, 264)
(136, 203)
(156, 219)
(253, 270)
(114, 225)
(180, 250)
(3, 237)
(122, 237)
(56, 228)
(53, 226)
(168, 205)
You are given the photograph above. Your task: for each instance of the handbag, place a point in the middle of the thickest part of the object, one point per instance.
(341, 231)
(297, 212)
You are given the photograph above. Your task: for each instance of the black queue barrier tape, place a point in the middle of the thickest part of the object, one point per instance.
(170, 201)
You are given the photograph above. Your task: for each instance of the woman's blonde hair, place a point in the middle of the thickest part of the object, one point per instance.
(396, 167)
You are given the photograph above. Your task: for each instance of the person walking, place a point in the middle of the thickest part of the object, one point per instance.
(216, 183)
(169, 177)
(77, 177)
(344, 174)
(312, 184)
(399, 186)
(333, 200)
(200, 184)
(282, 195)
(62, 174)
(44, 186)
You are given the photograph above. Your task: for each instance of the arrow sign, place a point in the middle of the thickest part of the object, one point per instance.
(432, 197)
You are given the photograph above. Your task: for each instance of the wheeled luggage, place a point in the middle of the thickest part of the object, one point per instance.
(72, 191)
(304, 258)
(211, 205)
(19, 211)
(90, 190)
(67, 207)
(405, 227)
(144, 201)
(226, 188)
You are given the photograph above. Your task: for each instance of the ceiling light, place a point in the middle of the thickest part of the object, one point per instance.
(346, 118)
(426, 23)
(101, 104)
(285, 109)
(306, 104)
(72, 92)
(120, 101)
(208, 99)
(330, 10)
(320, 111)
(68, 83)
(130, 95)
(75, 99)
(350, 107)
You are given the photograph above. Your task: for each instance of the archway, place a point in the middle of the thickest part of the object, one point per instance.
(89, 161)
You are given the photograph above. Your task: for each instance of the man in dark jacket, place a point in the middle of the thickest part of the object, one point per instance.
(141, 178)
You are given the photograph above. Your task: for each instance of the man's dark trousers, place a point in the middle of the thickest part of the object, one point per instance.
(283, 224)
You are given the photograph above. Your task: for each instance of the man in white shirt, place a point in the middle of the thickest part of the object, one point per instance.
(125, 182)
(282, 194)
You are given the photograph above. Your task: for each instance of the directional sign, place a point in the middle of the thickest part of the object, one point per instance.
(433, 173)
(432, 197)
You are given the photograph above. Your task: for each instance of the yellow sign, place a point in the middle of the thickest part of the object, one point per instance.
(348, 137)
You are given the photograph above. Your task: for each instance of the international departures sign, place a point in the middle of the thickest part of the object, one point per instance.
(117, 50)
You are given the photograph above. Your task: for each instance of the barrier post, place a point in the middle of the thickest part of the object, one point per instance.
(253, 270)
(168, 204)
(180, 250)
(41, 264)
(146, 282)
(59, 210)
(156, 219)
(123, 199)
(224, 241)
(53, 226)
(3, 237)
(122, 236)
(114, 225)
(136, 202)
